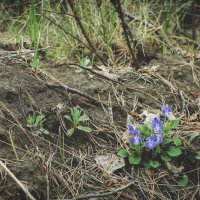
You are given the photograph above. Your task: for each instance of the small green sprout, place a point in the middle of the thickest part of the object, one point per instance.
(84, 62)
(35, 122)
(76, 118)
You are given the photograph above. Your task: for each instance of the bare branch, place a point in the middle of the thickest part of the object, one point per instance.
(101, 194)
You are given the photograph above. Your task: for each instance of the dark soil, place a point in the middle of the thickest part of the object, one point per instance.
(52, 172)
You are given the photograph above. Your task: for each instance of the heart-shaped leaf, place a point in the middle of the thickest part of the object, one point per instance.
(122, 153)
(154, 164)
(165, 157)
(174, 123)
(184, 180)
(167, 141)
(167, 131)
(174, 151)
(134, 159)
(177, 141)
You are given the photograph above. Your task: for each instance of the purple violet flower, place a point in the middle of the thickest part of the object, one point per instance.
(158, 138)
(131, 129)
(136, 137)
(151, 142)
(166, 111)
(157, 125)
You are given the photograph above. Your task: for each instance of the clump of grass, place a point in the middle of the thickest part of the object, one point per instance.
(150, 22)
(34, 36)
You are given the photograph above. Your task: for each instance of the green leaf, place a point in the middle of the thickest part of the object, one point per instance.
(75, 113)
(134, 159)
(154, 164)
(35, 121)
(166, 125)
(69, 118)
(122, 153)
(146, 164)
(31, 120)
(144, 129)
(39, 120)
(29, 123)
(198, 155)
(83, 118)
(165, 157)
(174, 151)
(149, 126)
(167, 141)
(70, 132)
(174, 123)
(184, 180)
(167, 131)
(193, 136)
(85, 62)
(177, 141)
(132, 146)
(42, 131)
(84, 128)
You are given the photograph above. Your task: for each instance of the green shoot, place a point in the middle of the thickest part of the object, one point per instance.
(35, 122)
(76, 118)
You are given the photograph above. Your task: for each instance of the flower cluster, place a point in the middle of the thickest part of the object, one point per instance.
(157, 125)
(136, 136)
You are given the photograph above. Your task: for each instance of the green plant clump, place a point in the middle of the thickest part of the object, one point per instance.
(35, 122)
(153, 142)
(152, 138)
(76, 118)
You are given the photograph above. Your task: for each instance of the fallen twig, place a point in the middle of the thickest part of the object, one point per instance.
(9, 54)
(93, 72)
(75, 91)
(16, 121)
(101, 194)
(17, 181)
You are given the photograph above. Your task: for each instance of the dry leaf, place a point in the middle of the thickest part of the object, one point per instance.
(149, 172)
(149, 116)
(125, 136)
(110, 162)
(106, 72)
(173, 169)
(154, 68)
(102, 129)
(60, 107)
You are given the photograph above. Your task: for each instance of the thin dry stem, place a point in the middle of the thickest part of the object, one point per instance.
(22, 186)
